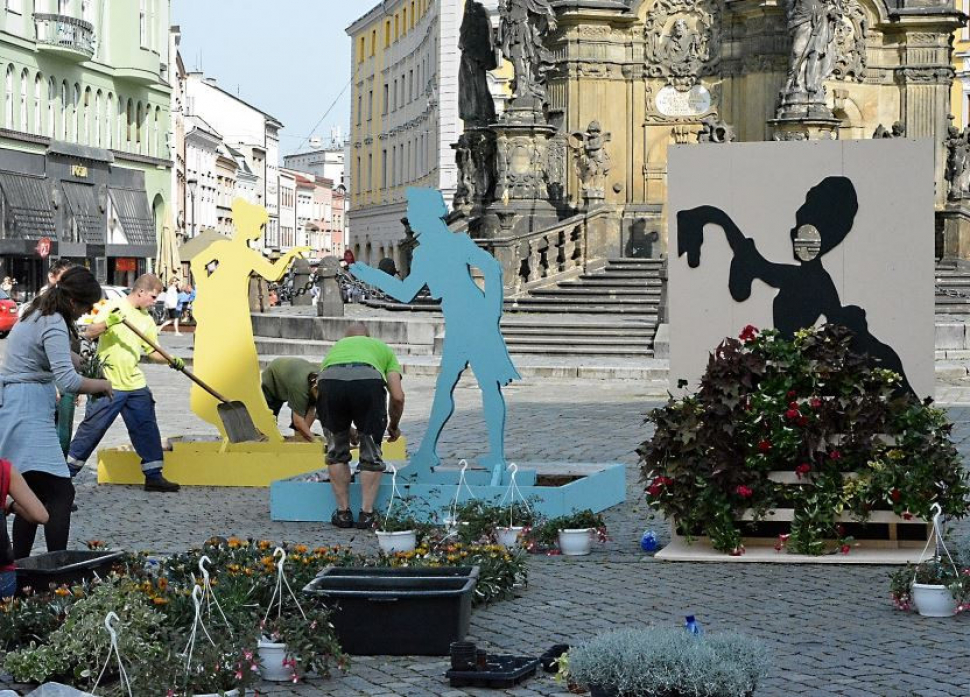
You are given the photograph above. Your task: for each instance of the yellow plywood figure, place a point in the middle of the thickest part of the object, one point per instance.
(201, 462)
(225, 352)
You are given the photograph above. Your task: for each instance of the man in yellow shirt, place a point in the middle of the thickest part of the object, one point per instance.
(120, 351)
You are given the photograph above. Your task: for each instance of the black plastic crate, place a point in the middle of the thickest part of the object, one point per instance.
(397, 612)
(500, 673)
(63, 568)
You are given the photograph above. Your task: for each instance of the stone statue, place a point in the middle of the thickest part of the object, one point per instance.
(523, 27)
(475, 104)
(465, 191)
(813, 25)
(681, 49)
(714, 130)
(592, 161)
(898, 131)
(958, 163)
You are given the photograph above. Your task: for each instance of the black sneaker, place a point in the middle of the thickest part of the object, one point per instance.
(366, 521)
(342, 519)
(161, 484)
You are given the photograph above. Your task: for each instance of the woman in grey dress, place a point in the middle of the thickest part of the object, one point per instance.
(38, 355)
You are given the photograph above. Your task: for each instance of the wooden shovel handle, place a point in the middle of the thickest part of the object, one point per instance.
(164, 354)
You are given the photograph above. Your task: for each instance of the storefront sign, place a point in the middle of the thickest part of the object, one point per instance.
(44, 247)
(125, 264)
(79, 171)
(694, 102)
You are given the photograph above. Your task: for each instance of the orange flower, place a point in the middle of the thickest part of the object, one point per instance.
(264, 544)
(162, 583)
(160, 601)
(301, 549)
(62, 591)
(235, 542)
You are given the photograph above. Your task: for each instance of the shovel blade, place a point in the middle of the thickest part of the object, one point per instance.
(238, 423)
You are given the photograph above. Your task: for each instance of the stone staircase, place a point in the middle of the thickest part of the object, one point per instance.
(950, 278)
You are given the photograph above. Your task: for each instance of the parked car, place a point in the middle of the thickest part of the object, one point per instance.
(8, 314)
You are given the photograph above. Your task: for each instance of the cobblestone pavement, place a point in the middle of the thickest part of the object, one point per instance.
(831, 628)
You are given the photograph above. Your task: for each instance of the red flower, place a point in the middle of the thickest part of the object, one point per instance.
(815, 402)
(654, 489)
(803, 469)
(744, 492)
(907, 515)
(895, 494)
(835, 455)
(782, 541)
(802, 421)
(845, 549)
(737, 551)
(792, 414)
(840, 530)
(792, 394)
(792, 405)
(747, 334)
(764, 446)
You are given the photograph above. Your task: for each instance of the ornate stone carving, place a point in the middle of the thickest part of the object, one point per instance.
(850, 44)
(898, 131)
(714, 130)
(523, 27)
(474, 157)
(592, 161)
(957, 172)
(475, 104)
(813, 26)
(683, 40)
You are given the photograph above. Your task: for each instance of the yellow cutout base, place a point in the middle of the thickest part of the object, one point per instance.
(202, 462)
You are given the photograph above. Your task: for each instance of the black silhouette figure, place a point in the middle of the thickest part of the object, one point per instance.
(806, 292)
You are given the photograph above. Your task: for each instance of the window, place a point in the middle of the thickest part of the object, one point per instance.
(129, 117)
(373, 42)
(387, 34)
(370, 172)
(394, 105)
(8, 102)
(97, 120)
(360, 50)
(404, 21)
(24, 80)
(384, 170)
(65, 110)
(394, 166)
(51, 100)
(384, 106)
(109, 121)
(410, 86)
(360, 108)
(407, 162)
(138, 123)
(157, 135)
(397, 27)
(75, 113)
(38, 116)
(412, 14)
(87, 10)
(358, 176)
(370, 104)
(143, 22)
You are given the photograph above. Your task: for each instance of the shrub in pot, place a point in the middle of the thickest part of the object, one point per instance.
(666, 662)
(933, 588)
(480, 521)
(572, 533)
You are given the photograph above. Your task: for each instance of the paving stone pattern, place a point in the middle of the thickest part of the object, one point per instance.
(832, 629)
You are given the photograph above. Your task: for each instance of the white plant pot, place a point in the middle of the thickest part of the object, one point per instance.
(271, 656)
(933, 600)
(230, 693)
(575, 543)
(403, 541)
(508, 537)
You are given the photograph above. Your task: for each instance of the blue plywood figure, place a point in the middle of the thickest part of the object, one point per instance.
(443, 262)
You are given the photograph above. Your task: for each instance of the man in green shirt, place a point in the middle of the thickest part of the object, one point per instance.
(120, 351)
(355, 379)
(292, 381)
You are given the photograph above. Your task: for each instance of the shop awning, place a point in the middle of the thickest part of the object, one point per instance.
(29, 204)
(82, 201)
(135, 216)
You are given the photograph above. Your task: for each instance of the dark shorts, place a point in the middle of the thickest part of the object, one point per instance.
(353, 395)
(174, 313)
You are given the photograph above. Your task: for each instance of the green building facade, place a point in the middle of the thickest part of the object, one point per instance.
(84, 136)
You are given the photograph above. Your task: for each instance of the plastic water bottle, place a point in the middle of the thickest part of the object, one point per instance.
(648, 543)
(693, 626)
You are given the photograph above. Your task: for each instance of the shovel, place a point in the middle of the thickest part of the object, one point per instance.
(235, 418)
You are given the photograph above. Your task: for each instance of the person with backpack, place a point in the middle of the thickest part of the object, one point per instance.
(38, 355)
(17, 498)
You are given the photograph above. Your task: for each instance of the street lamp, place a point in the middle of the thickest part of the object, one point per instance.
(192, 183)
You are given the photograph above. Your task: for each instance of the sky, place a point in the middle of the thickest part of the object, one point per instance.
(289, 58)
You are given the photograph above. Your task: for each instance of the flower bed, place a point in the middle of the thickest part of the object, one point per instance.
(58, 633)
(804, 425)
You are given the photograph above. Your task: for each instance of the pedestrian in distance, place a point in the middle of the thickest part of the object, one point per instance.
(355, 379)
(183, 306)
(7, 286)
(120, 350)
(292, 381)
(38, 355)
(171, 301)
(17, 498)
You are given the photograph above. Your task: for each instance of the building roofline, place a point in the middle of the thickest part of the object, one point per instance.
(239, 99)
(379, 10)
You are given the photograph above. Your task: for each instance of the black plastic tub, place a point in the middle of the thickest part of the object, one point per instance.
(63, 568)
(397, 612)
(500, 673)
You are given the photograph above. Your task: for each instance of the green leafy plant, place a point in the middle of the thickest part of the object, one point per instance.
(932, 572)
(478, 519)
(810, 407)
(670, 662)
(544, 534)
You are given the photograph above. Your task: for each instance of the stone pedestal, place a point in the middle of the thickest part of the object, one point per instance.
(301, 277)
(329, 301)
(805, 128)
(956, 232)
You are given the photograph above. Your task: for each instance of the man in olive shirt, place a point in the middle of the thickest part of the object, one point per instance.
(292, 381)
(355, 378)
